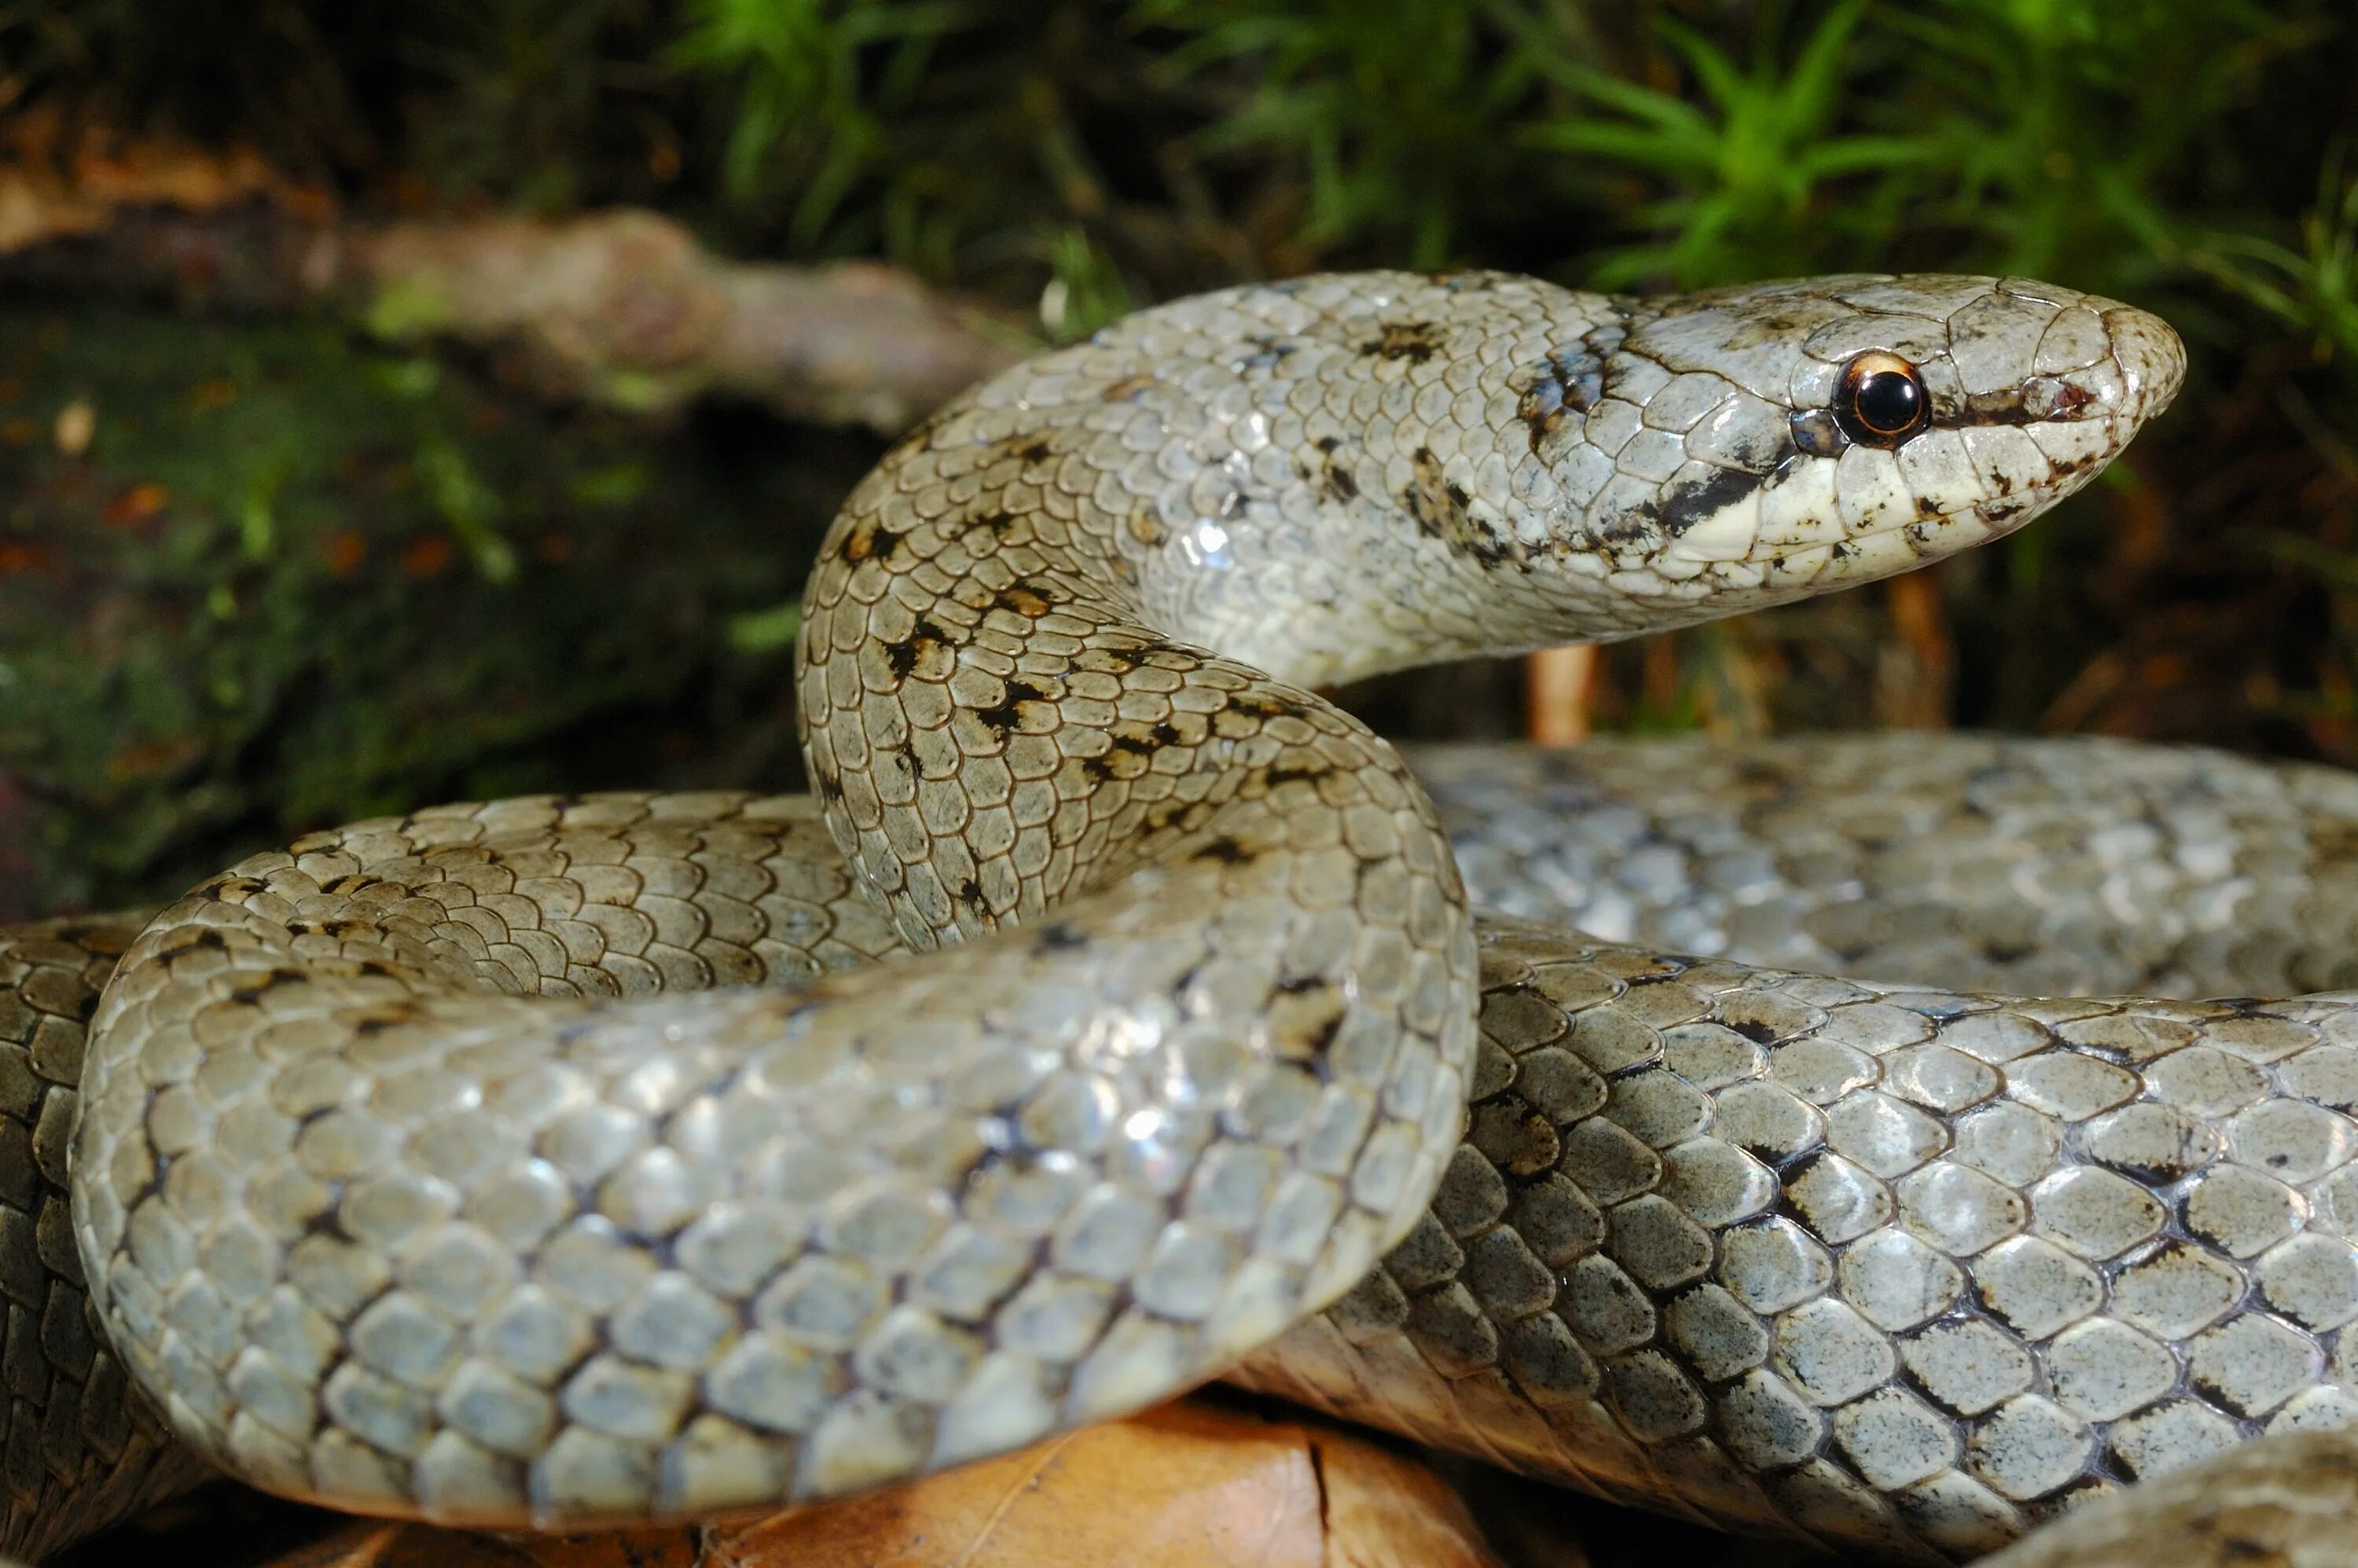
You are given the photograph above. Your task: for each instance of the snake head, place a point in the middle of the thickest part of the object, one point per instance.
(1753, 445)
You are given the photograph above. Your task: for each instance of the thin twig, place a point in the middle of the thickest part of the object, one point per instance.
(1560, 685)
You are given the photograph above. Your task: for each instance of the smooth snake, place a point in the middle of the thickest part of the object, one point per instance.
(1112, 1006)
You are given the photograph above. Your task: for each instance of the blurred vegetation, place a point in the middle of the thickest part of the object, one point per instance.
(283, 580)
(2192, 156)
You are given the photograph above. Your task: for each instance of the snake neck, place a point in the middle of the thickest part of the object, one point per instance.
(1349, 474)
(999, 719)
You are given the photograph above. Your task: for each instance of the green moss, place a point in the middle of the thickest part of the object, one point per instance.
(293, 580)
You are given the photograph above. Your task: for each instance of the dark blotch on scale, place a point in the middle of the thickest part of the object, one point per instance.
(1561, 380)
(1687, 504)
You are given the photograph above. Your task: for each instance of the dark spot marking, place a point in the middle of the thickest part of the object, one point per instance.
(1334, 482)
(1024, 599)
(1007, 714)
(1410, 340)
(1127, 389)
(1107, 661)
(261, 985)
(1568, 381)
(1263, 705)
(1037, 452)
(870, 540)
(922, 649)
(1688, 504)
(1224, 849)
(1427, 499)
(1266, 352)
(1143, 740)
(1058, 937)
(1631, 524)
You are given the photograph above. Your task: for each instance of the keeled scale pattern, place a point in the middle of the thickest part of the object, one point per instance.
(78, 1452)
(1897, 1270)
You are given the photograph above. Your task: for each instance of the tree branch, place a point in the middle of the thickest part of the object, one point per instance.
(621, 308)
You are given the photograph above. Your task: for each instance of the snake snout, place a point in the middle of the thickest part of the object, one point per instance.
(2152, 361)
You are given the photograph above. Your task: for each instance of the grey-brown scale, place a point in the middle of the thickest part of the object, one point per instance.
(81, 1451)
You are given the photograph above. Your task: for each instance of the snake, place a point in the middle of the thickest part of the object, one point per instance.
(1114, 1013)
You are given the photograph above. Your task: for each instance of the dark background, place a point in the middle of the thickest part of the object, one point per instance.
(271, 557)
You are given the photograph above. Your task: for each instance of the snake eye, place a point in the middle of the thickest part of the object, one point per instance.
(1881, 400)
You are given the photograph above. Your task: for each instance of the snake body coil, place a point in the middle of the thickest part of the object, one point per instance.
(1111, 1010)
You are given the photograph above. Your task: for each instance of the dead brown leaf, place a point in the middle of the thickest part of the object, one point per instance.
(1183, 1486)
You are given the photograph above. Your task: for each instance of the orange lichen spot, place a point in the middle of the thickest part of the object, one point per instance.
(15, 560)
(346, 551)
(427, 556)
(19, 432)
(135, 505)
(554, 548)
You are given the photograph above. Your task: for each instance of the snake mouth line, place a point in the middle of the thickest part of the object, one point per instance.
(1865, 555)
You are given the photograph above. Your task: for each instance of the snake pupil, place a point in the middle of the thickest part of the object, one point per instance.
(1882, 400)
(1889, 401)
